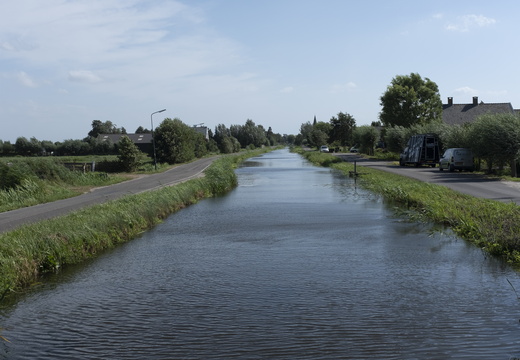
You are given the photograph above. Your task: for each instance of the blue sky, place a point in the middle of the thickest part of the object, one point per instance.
(64, 63)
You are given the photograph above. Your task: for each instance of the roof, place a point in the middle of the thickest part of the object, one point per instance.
(458, 114)
(136, 138)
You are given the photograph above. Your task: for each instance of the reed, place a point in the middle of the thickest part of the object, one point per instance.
(491, 225)
(31, 181)
(30, 251)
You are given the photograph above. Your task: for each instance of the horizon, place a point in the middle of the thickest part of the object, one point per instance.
(278, 63)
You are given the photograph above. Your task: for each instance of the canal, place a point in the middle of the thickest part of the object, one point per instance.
(296, 263)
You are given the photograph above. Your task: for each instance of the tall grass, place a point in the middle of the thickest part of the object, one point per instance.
(41, 180)
(491, 225)
(30, 251)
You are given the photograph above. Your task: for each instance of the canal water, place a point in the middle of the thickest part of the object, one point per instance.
(296, 263)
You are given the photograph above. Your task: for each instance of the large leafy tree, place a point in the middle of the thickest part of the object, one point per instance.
(410, 100)
(107, 127)
(226, 143)
(249, 134)
(342, 128)
(174, 141)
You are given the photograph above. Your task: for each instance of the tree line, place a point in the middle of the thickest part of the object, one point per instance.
(412, 105)
(175, 141)
(341, 132)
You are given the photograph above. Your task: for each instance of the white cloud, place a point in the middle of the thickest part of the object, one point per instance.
(26, 80)
(466, 90)
(467, 22)
(83, 76)
(339, 88)
(286, 90)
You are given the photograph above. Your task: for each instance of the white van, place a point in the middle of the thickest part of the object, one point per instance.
(457, 159)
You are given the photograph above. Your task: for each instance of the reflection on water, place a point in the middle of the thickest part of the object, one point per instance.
(296, 263)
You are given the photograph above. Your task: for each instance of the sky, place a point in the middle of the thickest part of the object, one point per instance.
(280, 63)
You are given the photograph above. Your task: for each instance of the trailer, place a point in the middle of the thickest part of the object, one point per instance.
(420, 150)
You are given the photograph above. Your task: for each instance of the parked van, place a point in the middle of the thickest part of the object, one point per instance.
(457, 159)
(421, 150)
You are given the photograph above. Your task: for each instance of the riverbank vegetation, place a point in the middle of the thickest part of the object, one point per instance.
(491, 225)
(30, 251)
(28, 181)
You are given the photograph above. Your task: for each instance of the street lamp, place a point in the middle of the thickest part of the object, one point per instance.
(153, 140)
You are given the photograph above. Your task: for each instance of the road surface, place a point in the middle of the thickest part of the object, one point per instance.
(467, 183)
(464, 182)
(12, 219)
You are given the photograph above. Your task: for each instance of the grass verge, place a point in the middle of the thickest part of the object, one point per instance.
(33, 250)
(491, 225)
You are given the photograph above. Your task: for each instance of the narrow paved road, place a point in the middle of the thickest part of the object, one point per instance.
(12, 219)
(464, 182)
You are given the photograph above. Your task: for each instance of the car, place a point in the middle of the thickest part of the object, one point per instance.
(457, 159)
(354, 149)
(324, 148)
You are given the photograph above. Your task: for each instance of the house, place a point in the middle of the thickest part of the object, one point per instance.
(202, 130)
(458, 114)
(142, 141)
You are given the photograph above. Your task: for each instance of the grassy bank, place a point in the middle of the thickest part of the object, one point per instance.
(490, 225)
(33, 250)
(31, 181)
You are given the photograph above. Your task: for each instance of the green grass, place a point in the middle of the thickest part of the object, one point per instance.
(33, 250)
(491, 225)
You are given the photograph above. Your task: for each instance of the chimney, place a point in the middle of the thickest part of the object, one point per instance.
(475, 100)
(450, 101)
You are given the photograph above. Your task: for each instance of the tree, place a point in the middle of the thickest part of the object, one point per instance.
(395, 139)
(73, 147)
(410, 100)
(305, 132)
(174, 141)
(226, 143)
(342, 127)
(366, 137)
(129, 155)
(23, 147)
(318, 137)
(249, 134)
(48, 147)
(100, 127)
(141, 130)
(496, 138)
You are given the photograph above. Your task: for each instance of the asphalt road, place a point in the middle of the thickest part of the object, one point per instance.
(12, 219)
(464, 182)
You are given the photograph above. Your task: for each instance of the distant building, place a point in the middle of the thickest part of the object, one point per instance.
(202, 130)
(458, 114)
(142, 141)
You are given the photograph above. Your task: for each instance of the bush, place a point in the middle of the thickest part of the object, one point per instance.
(9, 177)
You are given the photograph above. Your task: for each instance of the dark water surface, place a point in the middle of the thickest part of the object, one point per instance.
(296, 263)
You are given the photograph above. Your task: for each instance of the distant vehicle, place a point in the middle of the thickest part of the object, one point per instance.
(324, 148)
(354, 149)
(421, 150)
(457, 159)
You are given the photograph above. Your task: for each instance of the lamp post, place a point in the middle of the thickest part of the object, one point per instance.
(153, 139)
